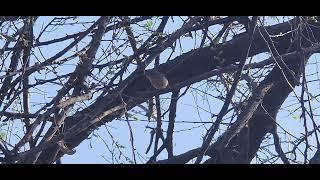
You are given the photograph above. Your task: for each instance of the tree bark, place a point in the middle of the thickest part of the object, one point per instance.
(137, 89)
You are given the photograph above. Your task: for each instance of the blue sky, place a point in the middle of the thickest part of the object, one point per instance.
(194, 106)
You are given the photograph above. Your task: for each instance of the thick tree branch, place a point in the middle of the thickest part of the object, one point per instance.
(182, 68)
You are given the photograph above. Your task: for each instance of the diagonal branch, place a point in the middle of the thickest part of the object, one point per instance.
(226, 104)
(195, 63)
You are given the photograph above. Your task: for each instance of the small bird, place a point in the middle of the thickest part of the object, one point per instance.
(157, 79)
(65, 149)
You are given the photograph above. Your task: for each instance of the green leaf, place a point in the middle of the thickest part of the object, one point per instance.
(121, 146)
(3, 135)
(273, 17)
(295, 117)
(128, 115)
(15, 109)
(229, 82)
(149, 24)
(136, 118)
(161, 34)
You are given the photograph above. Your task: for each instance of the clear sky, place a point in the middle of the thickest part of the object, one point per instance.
(194, 106)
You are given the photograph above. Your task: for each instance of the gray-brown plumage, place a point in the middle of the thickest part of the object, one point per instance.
(157, 79)
(65, 149)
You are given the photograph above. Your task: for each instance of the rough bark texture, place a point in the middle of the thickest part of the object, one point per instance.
(193, 64)
(238, 144)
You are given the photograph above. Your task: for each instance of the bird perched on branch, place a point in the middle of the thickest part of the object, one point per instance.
(157, 79)
(64, 148)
